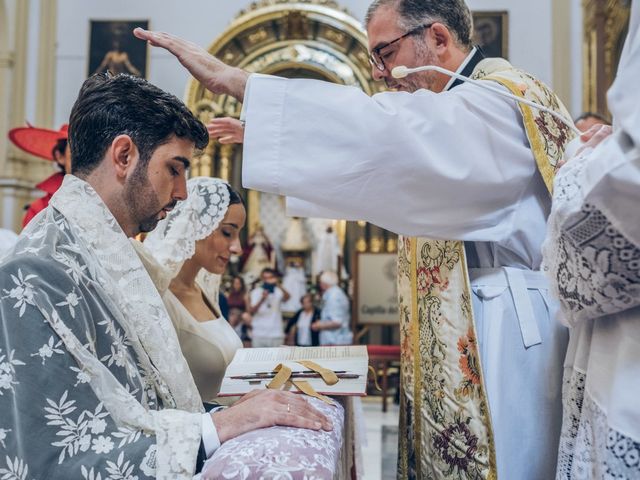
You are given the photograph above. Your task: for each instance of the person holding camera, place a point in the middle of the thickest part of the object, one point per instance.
(266, 308)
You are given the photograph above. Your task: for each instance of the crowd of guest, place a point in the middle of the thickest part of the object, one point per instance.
(258, 319)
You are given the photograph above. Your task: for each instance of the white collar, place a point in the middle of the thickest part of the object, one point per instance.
(461, 68)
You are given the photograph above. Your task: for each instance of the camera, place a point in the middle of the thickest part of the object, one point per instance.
(269, 287)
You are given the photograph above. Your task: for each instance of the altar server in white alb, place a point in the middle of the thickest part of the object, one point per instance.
(592, 254)
(447, 160)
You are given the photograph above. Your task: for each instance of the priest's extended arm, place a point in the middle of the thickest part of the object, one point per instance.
(456, 164)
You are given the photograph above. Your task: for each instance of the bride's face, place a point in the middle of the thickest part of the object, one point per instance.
(213, 253)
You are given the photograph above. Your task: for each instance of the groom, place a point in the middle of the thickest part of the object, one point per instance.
(92, 380)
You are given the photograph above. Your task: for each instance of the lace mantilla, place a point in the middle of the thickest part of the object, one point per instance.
(174, 239)
(588, 447)
(594, 269)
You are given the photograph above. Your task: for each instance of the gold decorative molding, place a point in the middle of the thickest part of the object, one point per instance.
(19, 82)
(226, 155)
(292, 38)
(268, 3)
(605, 25)
(277, 36)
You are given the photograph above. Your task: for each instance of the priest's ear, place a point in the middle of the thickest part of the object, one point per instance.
(123, 155)
(441, 38)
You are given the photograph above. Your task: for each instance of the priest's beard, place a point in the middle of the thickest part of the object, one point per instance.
(424, 56)
(142, 201)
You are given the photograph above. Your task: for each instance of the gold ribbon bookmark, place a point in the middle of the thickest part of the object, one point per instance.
(283, 376)
(329, 376)
(373, 373)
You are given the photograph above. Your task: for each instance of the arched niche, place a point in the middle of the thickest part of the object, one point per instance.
(294, 39)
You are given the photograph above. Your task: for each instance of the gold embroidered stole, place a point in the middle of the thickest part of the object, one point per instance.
(445, 421)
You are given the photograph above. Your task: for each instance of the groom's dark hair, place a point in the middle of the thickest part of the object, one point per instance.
(111, 105)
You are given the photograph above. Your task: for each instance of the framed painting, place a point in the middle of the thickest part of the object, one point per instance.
(113, 48)
(491, 33)
(375, 299)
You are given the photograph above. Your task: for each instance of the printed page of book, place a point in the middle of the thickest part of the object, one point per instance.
(260, 362)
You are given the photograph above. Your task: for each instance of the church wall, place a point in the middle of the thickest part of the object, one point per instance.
(530, 36)
(198, 20)
(529, 32)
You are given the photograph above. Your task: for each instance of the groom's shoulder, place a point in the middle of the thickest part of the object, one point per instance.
(39, 268)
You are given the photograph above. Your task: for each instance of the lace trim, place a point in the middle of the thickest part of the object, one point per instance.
(174, 239)
(594, 268)
(589, 448)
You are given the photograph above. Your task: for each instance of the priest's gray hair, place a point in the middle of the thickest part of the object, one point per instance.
(329, 278)
(454, 14)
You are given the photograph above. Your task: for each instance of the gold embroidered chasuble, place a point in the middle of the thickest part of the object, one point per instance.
(445, 421)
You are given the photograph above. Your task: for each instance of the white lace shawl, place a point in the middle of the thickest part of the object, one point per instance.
(121, 274)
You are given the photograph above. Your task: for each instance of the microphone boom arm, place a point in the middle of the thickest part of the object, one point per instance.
(402, 72)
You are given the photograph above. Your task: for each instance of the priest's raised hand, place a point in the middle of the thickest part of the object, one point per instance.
(214, 74)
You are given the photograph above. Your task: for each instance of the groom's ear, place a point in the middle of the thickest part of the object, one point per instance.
(123, 155)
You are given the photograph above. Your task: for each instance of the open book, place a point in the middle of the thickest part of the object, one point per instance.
(251, 369)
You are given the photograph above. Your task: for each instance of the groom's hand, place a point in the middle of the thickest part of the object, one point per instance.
(216, 76)
(267, 408)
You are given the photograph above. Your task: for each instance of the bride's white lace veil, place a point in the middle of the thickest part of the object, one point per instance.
(174, 239)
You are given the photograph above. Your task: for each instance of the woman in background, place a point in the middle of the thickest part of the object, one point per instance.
(239, 318)
(299, 329)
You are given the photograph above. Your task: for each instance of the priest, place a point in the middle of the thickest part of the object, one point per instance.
(482, 355)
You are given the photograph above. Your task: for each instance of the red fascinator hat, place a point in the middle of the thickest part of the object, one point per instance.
(38, 141)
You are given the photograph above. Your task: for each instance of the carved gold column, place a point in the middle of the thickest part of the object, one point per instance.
(253, 215)
(45, 93)
(392, 243)
(361, 242)
(605, 24)
(340, 227)
(376, 239)
(226, 156)
(6, 63)
(195, 165)
(19, 84)
(206, 161)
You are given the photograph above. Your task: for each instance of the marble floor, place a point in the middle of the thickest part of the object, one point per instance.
(380, 452)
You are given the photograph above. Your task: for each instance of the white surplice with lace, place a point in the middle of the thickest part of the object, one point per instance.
(592, 255)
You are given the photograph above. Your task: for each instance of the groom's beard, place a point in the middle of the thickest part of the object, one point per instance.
(142, 201)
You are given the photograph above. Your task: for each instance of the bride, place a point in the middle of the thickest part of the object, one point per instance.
(185, 256)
